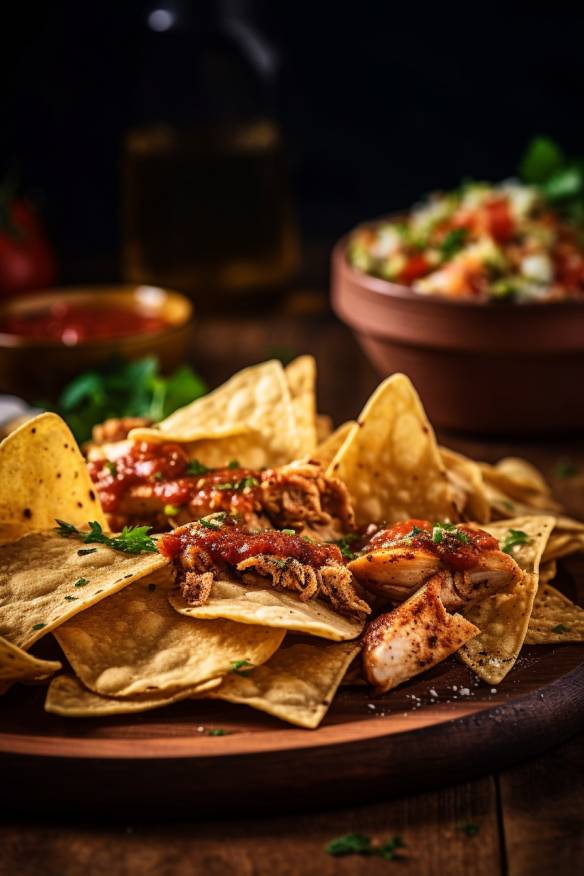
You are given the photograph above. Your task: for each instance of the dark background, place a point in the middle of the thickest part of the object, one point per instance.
(379, 101)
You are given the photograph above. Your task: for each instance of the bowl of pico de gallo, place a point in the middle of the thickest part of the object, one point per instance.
(478, 295)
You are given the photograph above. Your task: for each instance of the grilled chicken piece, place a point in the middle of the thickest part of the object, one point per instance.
(413, 637)
(333, 582)
(397, 562)
(196, 587)
(117, 429)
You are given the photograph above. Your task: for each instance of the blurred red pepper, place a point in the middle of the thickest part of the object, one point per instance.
(27, 260)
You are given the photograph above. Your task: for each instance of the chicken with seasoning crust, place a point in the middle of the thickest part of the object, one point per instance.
(218, 547)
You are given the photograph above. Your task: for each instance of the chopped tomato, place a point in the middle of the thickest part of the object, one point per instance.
(416, 266)
(498, 220)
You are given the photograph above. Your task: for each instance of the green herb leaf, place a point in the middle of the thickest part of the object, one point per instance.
(233, 463)
(387, 850)
(158, 476)
(81, 582)
(542, 158)
(197, 468)
(288, 531)
(344, 545)
(38, 626)
(469, 828)
(111, 467)
(440, 529)
(513, 538)
(349, 844)
(132, 539)
(213, 521)
(217, 732)
(238, 486)
(171, 510)
(453, 242)
(565, 183)
(560, 628)
(241, 667)
(565, 469)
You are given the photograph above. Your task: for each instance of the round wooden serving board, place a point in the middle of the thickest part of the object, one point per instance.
(437, 729)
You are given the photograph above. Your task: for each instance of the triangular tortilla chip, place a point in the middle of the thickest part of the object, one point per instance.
(416, 635)
(67, 697)
(297, 684)
(46, 579)
(554, 619)
(467, 482)
(390, 461)
(42, 476)
(503, 618)
(254, 404)
(135, 643)
(263, 606)
(324, 427)
(328, 449)
(301, 377)
(17, 665)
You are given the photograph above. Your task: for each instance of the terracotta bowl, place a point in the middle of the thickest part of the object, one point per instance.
(37, 370)
(494, 369)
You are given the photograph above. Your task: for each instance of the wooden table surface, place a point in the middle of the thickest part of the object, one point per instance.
(526, 821)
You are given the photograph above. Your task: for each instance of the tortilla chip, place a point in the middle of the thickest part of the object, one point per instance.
(66, 696)
(43, 475)
(263, 606)
(324, 427)
(254, 405)
(566, 539)
(301, 377)
(547, 572)
(416, 635)
(17, 665)
(523, 474)
(467, 483)
(44, 581)
(297, 684)
(390, 461)
(328, 449)
(135, 643)
(503, 618)
(554, 618)
(515, 487)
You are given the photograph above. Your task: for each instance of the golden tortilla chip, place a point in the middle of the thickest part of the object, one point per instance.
(523, 474)
(17, 665)
(566, 539)
(135, 643)
(514, 487)
(42, 476)
(416, 635)
(390, 461)
(301, 377)
(254, 406)
(46, 579)
(324, 427)
(547, 571)
(66, 696)
(328, 449)
(297, 684)
(467, 482)
(554, 618)
(263, 606)
(503, 618)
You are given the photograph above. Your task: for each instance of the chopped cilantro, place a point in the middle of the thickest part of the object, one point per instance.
(508, 504)
(38, 626)
(344, 545)
(158, 476)
(239, 485)
(359, 844)
(288, 531)
(131, 540)
(213, 521)
(565, 469)
(560, 628)
(81, 582)
(469, 828)
(83, 552)
(241, 667)
(439, 529)
(197, 468)
(171, 510)
(513, 538)
(111, 467)
(453, 242)
(233, 463)
(217, 732)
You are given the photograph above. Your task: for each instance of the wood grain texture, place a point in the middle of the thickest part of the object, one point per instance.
(430, 825)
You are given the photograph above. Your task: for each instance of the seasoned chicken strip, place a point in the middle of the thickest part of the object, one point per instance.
(399, 559)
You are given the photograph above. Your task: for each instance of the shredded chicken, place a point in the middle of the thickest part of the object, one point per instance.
(117, 429)
(196, 588)
(332, 583)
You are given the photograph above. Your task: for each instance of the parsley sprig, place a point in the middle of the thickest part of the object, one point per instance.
(197, 468)
(514, 537)
(345, 543)
(238, 486)
(241, 667)
(213, 521)
(439, 530)
(131, 540)
(359, 844)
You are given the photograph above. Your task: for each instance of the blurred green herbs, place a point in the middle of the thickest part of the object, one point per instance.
(126, 389)
(559, 178)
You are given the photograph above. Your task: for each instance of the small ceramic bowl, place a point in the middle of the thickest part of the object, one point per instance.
(494, 369)
(38, 369)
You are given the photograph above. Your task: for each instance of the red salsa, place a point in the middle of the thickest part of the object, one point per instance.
(175, 480)
(73, 324)
(226, 542)
(457, 546)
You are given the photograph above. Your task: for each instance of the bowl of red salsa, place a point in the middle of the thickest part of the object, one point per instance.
(49, 337)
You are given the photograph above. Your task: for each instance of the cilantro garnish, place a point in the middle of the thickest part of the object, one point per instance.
(239, 485)
(111, 467)
(217, 732)
(344, 542)
(439, 530)
(213, 521)
(197, 468)
(359, 844)
(453, 242)
(469, 828)
(131, 540)
(38, 626)
(560, 628)
(81, 582)
(565, 469)
(233, 463)
(158, 476)
(241, 667)
(513, 538)
(288, 531)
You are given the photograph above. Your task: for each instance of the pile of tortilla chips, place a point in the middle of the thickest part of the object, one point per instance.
(131, 641)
